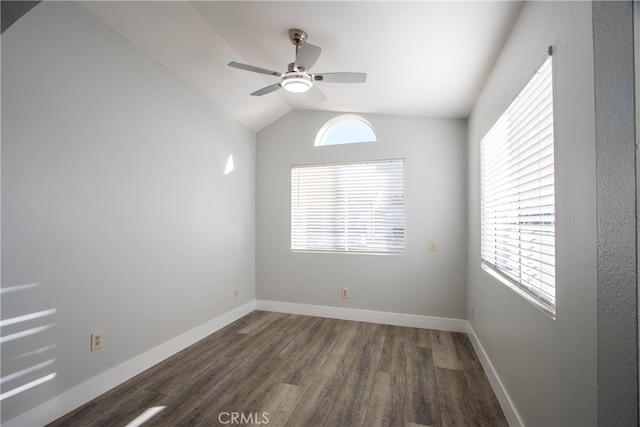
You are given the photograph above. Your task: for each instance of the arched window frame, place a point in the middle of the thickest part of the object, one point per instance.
(326, 128)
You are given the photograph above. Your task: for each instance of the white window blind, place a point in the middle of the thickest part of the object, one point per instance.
(517, 192)
(351, 207)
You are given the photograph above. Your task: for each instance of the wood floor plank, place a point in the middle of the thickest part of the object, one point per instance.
(488, 411)
(253, 344)
(423, 338)
(445, 354)
(396, 342)
(349, 406)
(422, 404)
(451, 393)
(386, 407)
(345, 405)
(348, 335)
(364, 365)
(465, 354)
(307, 371)
(181, 412)
(262, 322)
(280, 404)
(466, 398)
(292, 324)
(251, 392)
(318, 401)
(304, 338)
(236, 326)
(313, 357)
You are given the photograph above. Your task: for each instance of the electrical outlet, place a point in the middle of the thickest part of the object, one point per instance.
(433, 245)
(96, 340)
(345, 293)
(236, 293)
(472, 312)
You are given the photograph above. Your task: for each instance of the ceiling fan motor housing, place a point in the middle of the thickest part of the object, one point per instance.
(297, 36)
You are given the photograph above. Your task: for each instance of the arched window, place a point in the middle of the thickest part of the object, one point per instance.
(345, 129)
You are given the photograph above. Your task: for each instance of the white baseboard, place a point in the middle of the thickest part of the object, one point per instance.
(68, 401)
(397, 319)
(509, 409)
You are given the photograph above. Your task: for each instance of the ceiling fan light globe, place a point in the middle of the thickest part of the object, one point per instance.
(296, 87)
(298, 83)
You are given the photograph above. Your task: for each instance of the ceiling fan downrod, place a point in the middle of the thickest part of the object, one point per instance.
(297, 37)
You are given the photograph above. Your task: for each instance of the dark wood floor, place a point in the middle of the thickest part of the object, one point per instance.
(288, 370)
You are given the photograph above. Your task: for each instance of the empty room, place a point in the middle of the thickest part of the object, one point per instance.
(319, 213)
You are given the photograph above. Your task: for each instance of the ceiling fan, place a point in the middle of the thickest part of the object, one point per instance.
(297, 78)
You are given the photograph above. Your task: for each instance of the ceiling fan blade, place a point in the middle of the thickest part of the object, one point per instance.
(340, 77)
(316, 94)
(254, 69)
(266, 90)
(307, 55)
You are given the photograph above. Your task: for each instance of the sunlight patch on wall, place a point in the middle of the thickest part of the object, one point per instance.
(27, 386)
(24, 318)
(28, 359)
(230, 166)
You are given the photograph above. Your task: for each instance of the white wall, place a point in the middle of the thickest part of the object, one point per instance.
(548, 367)
(417, 282)
(115, 208)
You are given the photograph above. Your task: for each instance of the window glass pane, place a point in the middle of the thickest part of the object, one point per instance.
(348, 132)
(518, 192)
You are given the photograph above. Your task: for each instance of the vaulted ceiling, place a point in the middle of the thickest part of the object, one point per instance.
(422, 58)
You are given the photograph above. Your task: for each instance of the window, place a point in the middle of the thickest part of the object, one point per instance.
(345, 129)
(517, 193)
(348, 207)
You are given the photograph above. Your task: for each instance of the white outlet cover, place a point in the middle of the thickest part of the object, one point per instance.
(96, 340)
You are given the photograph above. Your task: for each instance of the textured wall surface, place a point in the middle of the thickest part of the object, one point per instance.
(636, 33)
(616, 191)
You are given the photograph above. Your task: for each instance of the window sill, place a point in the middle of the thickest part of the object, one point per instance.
(347, 252)
(548, 310)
